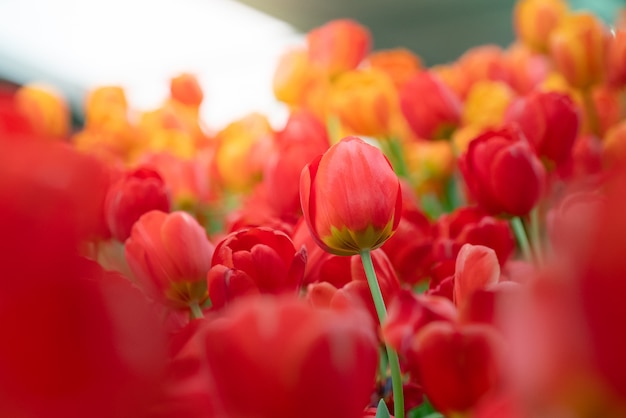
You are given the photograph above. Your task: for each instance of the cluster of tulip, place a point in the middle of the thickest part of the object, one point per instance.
(440, 241)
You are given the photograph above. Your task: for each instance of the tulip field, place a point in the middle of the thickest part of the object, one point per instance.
(413, 241)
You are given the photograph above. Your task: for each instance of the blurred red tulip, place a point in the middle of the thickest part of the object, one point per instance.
(432, 110)
(302, 139)
(351, 198)
(281, 357)
(255, 260)
(137, 192)
(476, 268)
(169, 256)
(457, 366)
(502, 172)
(338, 46)
(616, 65)
(550, 121)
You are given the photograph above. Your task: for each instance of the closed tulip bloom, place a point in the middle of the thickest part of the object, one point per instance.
(503, 173)
(578, 47)
(550, 121)
(534, 20)
(351, 198)
(338, 46)
(136, 193)
(169, 256)
(429, 106)
(282, 358)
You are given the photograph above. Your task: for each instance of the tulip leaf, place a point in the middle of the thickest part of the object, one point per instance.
(425, 410)
(382, 411)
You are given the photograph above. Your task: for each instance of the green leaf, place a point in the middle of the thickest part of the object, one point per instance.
(425, 410)
(382, 411)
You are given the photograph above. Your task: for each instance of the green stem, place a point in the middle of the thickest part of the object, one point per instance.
(400, 166)
(194, 310)
(535, 235)
(381, 311)
(522, 238)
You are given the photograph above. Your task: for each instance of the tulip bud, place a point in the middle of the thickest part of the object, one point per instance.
(351, 198)
(338, 46)
(486, 104)
(170, 255)
(534, 20)
(138, 192)
(502, 172)
(550, 121)
(429, 106)
(578, 47)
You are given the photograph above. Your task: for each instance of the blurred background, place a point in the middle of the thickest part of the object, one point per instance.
(232, 46)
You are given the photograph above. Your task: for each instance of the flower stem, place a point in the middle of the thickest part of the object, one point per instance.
(381, 311)
(400, 166)
(535, 235)
(194, 310)
(522, 238)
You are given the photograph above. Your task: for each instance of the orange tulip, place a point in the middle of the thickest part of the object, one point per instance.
(185, 89)
(578, 46)
(617, 58)
(364, 101)
(534, 20)
(338, 46)
(399, 64)
(45, 109)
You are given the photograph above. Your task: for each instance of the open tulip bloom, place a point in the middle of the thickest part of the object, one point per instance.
(464, 260)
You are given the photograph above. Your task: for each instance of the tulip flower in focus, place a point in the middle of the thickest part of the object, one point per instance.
(169, 256)
(338, 46)
(259, 259)
(430, 107)
(578, 47)
(502, 172)
(282, 358)
(351, 198)
(138, 192)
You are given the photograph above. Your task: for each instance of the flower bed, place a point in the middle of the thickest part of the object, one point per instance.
(414, 241)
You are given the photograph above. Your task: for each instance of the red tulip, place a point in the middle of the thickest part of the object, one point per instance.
(502, 172)
(351, 198)
(617, 58)
(457, 366)
(138, 192)
(338, 46)
(550, 121)
(303, 138)
(476, 268)
(255, 260)
(275, 358)
(429, 106)
(170, 255)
